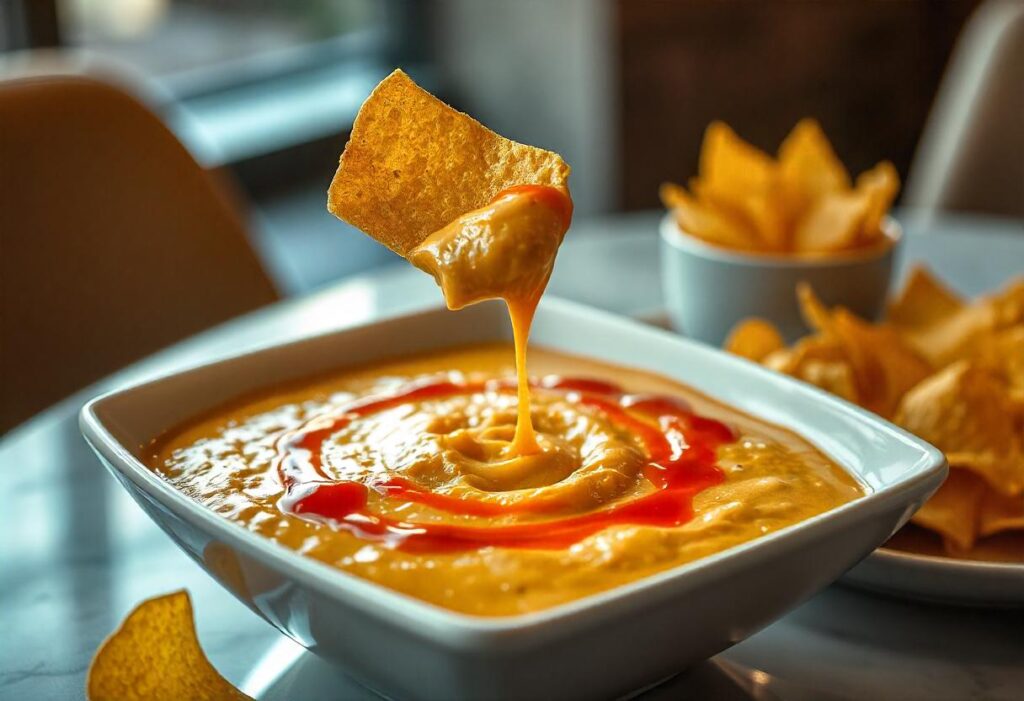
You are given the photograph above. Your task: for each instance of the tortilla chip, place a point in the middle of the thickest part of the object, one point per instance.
(413, 164)
(815, 314)
(819, 360)
(883, 366)
(832, 376)
(999, 512)
(155, 655)
(800, 202)
(1002, 353)
(879, 187)
(942, 327)
(832, 223)
(935, 321)
(808, 168)
(819, 347)
(757, 212)
(923, 302)
(715, 226)
(963, 411)
(953, 510)
(1009, 304)
(740, 179)
(730, 166)
(754, 339)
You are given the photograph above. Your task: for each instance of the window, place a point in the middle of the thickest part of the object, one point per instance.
(235, 79)
(199, 46)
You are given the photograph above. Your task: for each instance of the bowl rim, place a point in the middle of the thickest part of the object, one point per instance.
(456, 628)
(674, 236)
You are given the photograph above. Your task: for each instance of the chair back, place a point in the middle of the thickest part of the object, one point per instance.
(114, 242)
(971, 154)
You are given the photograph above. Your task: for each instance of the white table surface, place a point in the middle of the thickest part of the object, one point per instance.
(77, 554)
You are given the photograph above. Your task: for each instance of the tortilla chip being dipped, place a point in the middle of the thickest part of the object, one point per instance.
(155, 656)
(413, 164)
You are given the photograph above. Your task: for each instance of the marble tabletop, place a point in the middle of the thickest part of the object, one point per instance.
(77, 554)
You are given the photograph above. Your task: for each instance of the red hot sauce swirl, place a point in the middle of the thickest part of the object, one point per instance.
(680, 449)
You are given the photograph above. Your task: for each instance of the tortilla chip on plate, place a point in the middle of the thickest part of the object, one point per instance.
(884, 367)
(754, 339)
(1002, 353)
(949, 371)
(999, 513)
(923, 302)
(963, 410)
(942, 327)
(953, 510)
(830, 375)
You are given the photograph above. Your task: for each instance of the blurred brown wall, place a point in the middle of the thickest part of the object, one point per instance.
(867, 69)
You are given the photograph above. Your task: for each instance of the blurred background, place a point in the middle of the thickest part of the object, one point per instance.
(262, 94)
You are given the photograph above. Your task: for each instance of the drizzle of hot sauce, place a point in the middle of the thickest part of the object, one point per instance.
(680, 447)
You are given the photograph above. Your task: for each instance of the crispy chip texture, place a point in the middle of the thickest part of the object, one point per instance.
(721, 227)
(731, 166)
(879, 186)
(832, 223)
(800, 202)
(963, 410)
(948, 370)
(923, 302)
(999, 513)
(883, 367)
(953, 511)
(155, 655)
(1002, 353)
(944, 328)
(808, 167)
(413, 164)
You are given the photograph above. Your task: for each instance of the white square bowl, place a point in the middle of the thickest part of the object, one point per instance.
(599, 646)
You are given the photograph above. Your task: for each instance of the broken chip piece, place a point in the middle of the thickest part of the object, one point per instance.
(155, 655)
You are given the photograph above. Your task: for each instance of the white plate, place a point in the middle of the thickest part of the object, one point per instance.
(943, 580)
(600, 646)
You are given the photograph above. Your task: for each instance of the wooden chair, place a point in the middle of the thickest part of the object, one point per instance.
(114, 242)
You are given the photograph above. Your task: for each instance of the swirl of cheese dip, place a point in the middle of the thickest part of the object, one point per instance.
(459, 446)
(400, 473)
